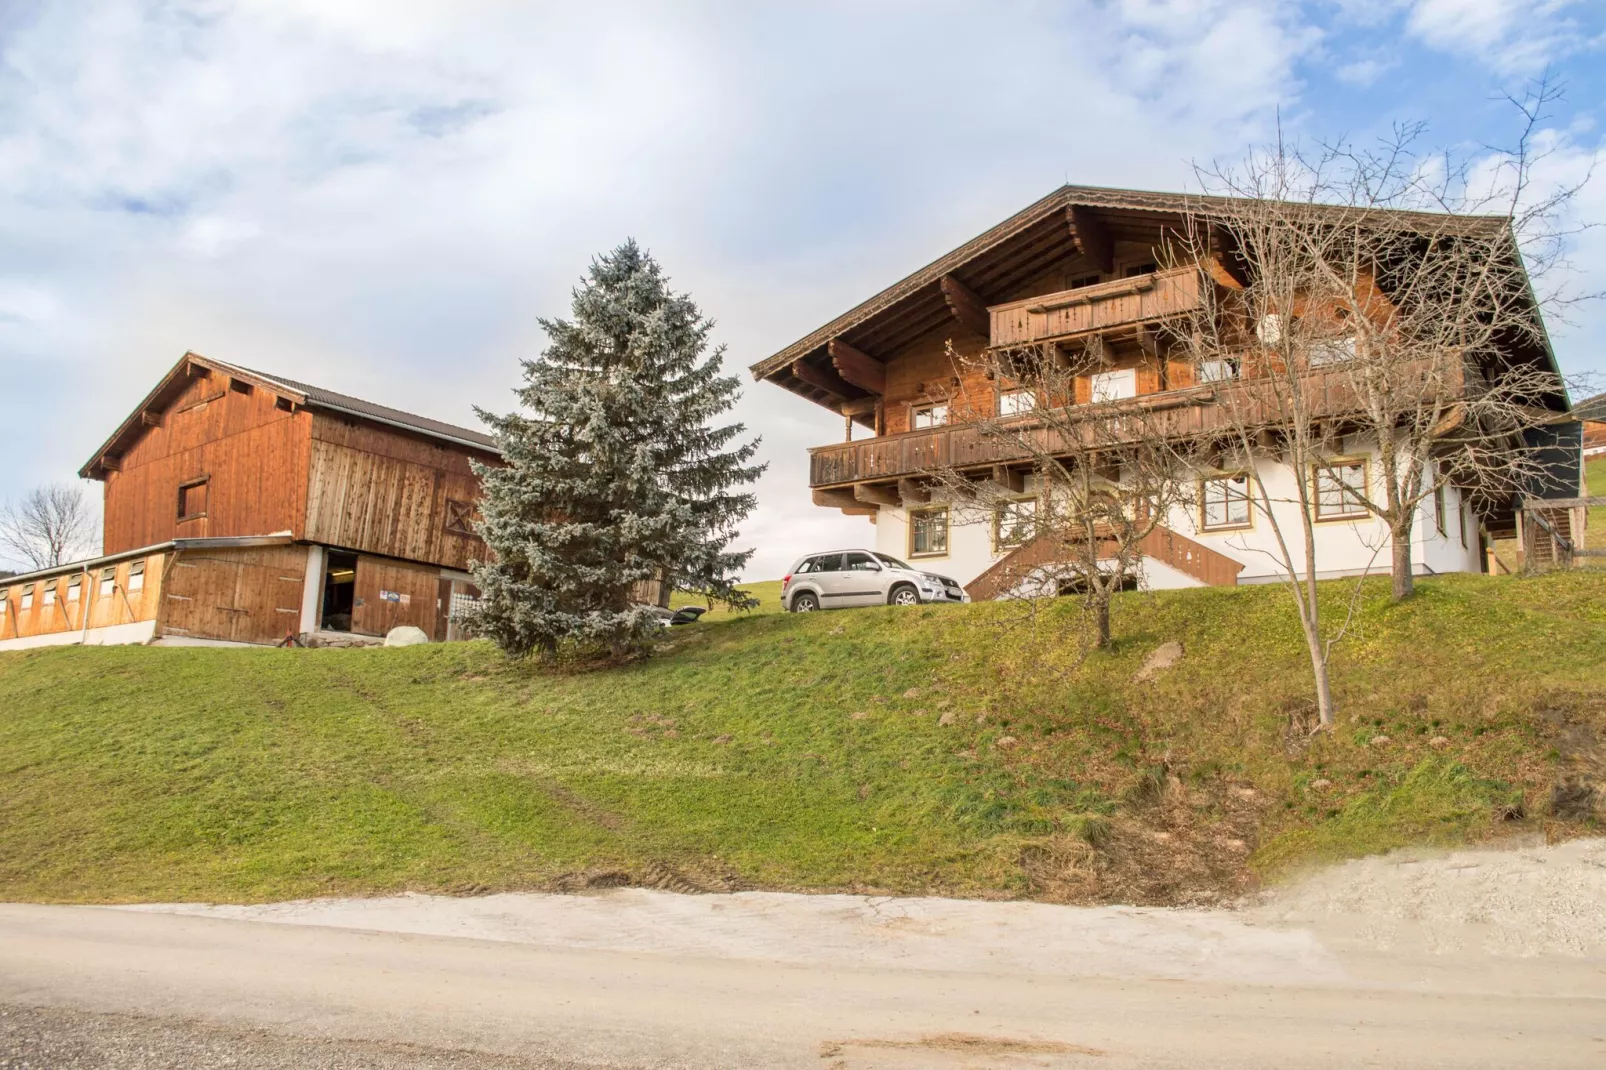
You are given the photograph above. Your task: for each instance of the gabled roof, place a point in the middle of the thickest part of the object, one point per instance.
(1007, 255)
(298, 394)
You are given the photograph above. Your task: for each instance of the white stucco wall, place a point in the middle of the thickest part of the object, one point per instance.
(1343, 547)
(114, 635)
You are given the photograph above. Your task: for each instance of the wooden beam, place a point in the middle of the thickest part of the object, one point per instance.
(1092, 237)
(872, 495)
(1149, 341)
(1223, 263)
(840, 498)
(110, 463)
(969, 309)
(1009, 478)
(859, 407)
(913, 491)
(858, 367)
(821, 379)
(151, 418)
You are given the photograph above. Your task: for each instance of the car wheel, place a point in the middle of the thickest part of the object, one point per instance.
(904, 595)
(805, 603)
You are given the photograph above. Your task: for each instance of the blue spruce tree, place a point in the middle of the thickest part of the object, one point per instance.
(618, 469)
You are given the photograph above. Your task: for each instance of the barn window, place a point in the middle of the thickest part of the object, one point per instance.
(284, 404)
(75, 588)
(5, 600)
(460, 518)
(136, 577)
(192, 499)
(239, 386)
(27, 597)
(50, 594)
(108, 580)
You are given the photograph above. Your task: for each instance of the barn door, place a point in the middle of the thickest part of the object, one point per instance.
(242, 596)
(391, 594)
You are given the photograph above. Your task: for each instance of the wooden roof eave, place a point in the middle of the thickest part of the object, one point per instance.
(161, 395)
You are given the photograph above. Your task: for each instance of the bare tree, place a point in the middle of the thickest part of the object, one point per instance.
(1366, 301)
(48, 526)
(1082, 485)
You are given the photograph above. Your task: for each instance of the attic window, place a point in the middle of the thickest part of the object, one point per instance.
(192, 499)
(239, 386)
(284, 405)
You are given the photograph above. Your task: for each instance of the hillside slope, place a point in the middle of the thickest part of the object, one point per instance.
(947, 750)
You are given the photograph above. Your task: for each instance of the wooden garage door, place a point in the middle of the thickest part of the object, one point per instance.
(244, 596)
(390, 594)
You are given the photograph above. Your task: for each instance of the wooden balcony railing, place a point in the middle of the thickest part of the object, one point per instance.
(1179, 414)
(1104, 306)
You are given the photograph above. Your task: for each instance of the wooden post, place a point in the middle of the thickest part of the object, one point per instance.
(1521, 542)
(847, 422)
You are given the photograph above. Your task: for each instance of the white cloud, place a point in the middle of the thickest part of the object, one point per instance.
(382, 196)
(1513, 36)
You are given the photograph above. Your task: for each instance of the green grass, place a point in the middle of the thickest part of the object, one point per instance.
(1595, 487)
(804, 752)
(768, 593)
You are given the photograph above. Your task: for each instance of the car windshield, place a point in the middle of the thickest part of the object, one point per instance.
(891, 562)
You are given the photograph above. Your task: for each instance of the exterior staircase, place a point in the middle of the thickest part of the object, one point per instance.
(1209, 567)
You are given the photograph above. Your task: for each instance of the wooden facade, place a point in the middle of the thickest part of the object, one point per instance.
(304, 481)
(90, 596)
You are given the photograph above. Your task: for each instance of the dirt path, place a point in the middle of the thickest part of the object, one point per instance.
(1468, 960)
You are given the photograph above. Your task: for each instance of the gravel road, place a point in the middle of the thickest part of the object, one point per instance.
(1476, 959)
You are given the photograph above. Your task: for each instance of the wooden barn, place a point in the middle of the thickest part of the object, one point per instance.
(242, 507)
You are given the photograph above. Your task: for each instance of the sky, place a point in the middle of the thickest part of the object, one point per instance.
(382, 196)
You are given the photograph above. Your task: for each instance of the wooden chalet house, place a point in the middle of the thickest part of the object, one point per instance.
(241, 507)
(1081, 262)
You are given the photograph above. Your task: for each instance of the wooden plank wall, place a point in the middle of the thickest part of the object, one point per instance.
(254, 453)
(246, 595)
(385, 493)
(413, 597)
(119, 606)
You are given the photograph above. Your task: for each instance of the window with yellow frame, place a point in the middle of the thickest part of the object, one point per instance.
(1224, 503)
(1013, 523)
(928, 532)
(1340, 489)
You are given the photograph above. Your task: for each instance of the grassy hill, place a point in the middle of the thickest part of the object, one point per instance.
(952, 750)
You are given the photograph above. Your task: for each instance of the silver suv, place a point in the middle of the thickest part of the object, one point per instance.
(845, 578)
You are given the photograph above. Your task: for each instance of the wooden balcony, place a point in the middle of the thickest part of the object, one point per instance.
(1107, 306)
(891, 457)
(1180, 414)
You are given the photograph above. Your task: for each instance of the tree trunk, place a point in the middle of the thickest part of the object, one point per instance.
(1404, 577)
(1324, 687)
(1101, 615)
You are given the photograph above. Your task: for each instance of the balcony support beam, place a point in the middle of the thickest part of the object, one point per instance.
(1011, 479)
(858, 367)
(872, 495)
(966, 307)
(1092, 238)
(913, 492)
(837, 498)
